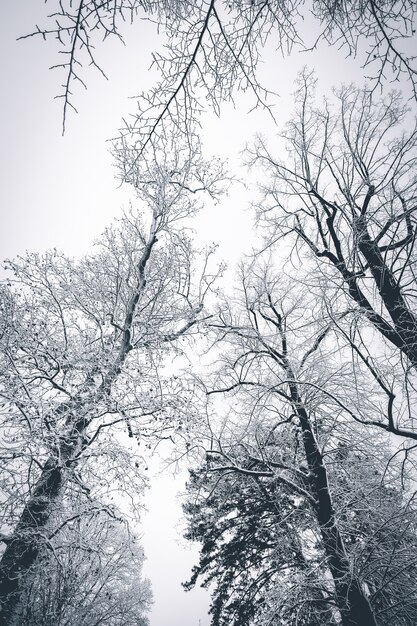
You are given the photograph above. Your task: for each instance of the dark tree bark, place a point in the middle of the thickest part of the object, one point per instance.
(389, 288)
(354, 607)
(28, 537)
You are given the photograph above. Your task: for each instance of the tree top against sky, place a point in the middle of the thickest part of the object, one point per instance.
(214, 48)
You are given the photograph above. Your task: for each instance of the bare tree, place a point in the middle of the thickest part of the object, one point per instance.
(215, 46)
(274, 368)
(82, 354)
(346, 191)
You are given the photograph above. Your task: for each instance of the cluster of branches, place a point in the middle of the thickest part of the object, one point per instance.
(298, 520)
(89, 572)
(83, 348)
(346, 194)
(214, 47)
(310, 358)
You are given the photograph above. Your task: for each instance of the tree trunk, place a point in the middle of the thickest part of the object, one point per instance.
(405, 322)
(353, 605)
(23, 548)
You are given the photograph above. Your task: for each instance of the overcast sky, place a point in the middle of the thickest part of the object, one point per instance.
(60, 192)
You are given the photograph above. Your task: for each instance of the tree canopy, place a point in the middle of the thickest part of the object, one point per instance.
(214, 48)
(298, 419)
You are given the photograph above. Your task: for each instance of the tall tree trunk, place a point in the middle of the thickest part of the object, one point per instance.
(352, 603)
(23, 548)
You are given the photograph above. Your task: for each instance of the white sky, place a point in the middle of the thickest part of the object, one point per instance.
(60, 192)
